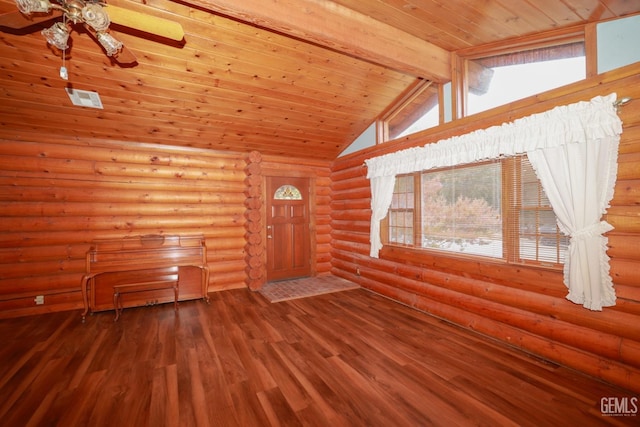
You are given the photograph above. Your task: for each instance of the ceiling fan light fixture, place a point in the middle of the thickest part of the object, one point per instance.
(57, 35)
(95, 16)
(109, 43)
(30, 6)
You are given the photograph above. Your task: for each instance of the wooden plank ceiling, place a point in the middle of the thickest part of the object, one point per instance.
(301, 78)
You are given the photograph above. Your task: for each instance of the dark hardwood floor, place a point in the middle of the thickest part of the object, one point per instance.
(350, 358)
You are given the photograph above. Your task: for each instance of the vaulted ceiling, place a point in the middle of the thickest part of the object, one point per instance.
(294, 77)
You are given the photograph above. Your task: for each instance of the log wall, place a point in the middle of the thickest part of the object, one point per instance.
(56, 196)
(523, 306)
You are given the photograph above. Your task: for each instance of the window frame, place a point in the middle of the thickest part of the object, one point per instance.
(459, 76)
(403, 101)
(511, 205)
(511, 255)
(416, 210)
(566, 36)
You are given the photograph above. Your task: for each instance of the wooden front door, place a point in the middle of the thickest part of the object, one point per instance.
(288, 231)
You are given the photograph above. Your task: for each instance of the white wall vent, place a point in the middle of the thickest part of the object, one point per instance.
(84, 98)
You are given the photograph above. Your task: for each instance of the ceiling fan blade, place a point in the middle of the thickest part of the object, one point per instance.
(17, 20)
(125, 56)
(147, 23)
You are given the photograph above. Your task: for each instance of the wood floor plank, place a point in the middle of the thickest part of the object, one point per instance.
(350, 358)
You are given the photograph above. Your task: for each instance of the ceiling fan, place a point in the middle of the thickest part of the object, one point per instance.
(95, 16)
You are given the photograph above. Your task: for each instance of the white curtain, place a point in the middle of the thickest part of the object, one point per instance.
(381, 195)
(578, 179)
(586, 133)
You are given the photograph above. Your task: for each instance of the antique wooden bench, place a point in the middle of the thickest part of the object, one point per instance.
(141, 267)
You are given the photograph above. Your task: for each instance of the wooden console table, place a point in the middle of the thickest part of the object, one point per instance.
(137, 267)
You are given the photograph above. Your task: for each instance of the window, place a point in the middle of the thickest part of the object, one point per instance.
(494, 209)
(401, 212)
(417, 110)
(499, 79)
(461, 209)
(287, 192)
(496, 76)
(538, 238)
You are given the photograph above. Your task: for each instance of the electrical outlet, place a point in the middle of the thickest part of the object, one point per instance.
(357, 271)
(39, 299)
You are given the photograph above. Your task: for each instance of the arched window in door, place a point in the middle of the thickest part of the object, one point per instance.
(287, 192)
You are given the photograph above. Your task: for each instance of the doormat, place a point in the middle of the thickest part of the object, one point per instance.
(306, 287)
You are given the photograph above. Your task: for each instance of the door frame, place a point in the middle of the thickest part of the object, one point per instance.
(278, 173)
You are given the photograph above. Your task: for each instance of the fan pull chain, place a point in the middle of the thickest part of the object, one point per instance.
(64, 74)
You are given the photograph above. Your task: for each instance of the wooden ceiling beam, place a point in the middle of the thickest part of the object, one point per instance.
(336, 27)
